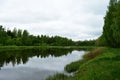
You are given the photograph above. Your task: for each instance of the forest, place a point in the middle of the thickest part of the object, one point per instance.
(17, 37)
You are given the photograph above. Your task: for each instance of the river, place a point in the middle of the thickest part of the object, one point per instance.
(35, 64)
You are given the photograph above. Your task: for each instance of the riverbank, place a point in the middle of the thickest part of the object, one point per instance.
(39, 47)
(99, 64)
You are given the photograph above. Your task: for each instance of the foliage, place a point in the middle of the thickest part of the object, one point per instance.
(101, 41)
(23, 38)
(3, 36)
(85, 43)
(111, 30)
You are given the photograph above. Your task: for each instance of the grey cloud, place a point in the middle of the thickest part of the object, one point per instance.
(95, 6)
(27, 18)
(76, 19)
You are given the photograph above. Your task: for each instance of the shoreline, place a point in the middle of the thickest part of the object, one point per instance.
(99, 64)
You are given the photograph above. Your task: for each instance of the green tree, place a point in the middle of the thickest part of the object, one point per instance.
(19, 33)
(111, 29)
(116, 26)
(3, 36)
(14, 32)
(21, 38)
(101, 41)
(25, 38)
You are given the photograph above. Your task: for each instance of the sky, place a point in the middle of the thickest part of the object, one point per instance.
(74, 19)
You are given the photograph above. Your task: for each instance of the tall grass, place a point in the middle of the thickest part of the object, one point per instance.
(92, 54)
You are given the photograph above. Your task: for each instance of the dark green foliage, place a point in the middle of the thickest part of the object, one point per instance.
(101, 41)
(23, 38)
(3, 36)
(19, 33)
(112, 24)
(14, 32)
(86, 43)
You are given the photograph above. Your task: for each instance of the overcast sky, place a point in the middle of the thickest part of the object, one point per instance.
(75, 19)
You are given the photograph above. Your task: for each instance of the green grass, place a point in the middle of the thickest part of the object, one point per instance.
(74, 66)
(43, 47)
(104, 66)
(92, 54)
(99, 64)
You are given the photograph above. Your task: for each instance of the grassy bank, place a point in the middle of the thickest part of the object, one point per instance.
(39, 47)
(99, 64)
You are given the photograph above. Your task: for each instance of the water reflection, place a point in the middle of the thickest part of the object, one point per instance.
(35, 64)
(22, 56)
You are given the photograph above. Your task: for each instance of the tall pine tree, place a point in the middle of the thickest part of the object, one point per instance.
(111, 29)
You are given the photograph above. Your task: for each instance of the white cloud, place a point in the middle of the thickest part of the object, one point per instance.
(76, 19)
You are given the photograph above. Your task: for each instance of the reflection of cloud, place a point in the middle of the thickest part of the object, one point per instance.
(55, 17)
(54, 63)
(24, 73)
(39, 68)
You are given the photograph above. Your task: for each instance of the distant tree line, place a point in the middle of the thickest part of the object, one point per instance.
(86, 43)
(111, 29)
(23, 38)
(18, 37)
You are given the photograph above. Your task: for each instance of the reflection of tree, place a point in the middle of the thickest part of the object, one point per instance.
(22, 56)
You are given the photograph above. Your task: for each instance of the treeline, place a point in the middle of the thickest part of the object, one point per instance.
(18, 37)
(23, 38)
(86, 43)
(111, 29)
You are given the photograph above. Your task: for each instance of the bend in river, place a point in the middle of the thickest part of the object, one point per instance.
(35, 64)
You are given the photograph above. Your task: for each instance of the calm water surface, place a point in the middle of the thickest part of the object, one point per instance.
(35, 64)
